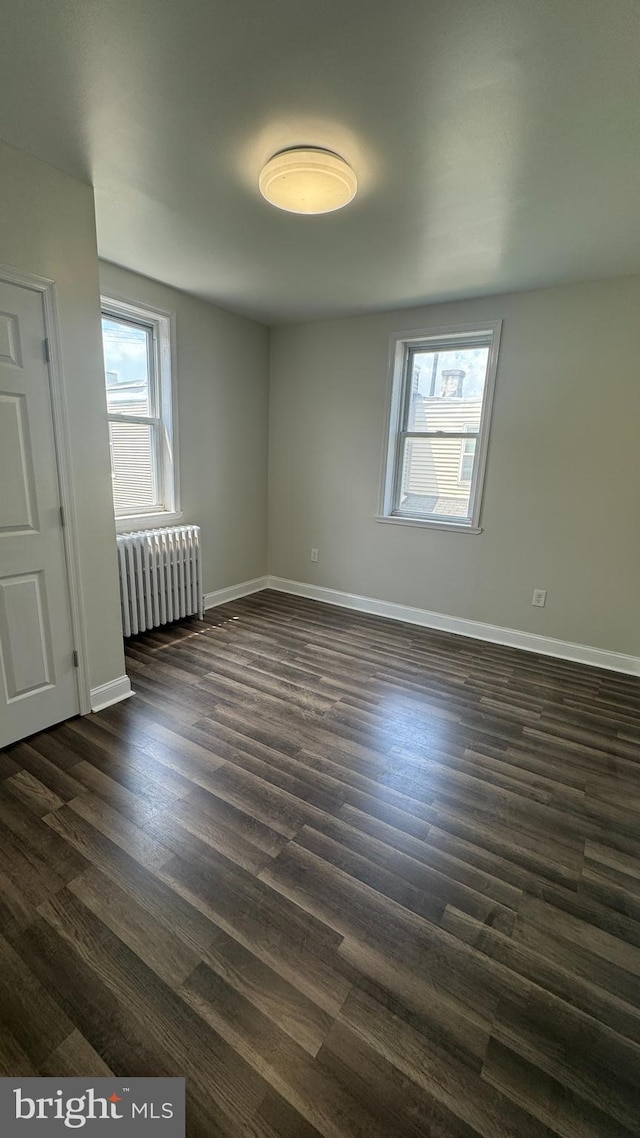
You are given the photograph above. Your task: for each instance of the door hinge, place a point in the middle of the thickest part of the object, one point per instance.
(62, 521)
(45, 345)
(76, 660)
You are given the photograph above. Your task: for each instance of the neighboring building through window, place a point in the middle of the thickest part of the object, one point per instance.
(137, 361)
(440, 409)
(467, 456)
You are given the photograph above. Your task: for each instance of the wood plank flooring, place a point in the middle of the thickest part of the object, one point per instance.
(350, 877)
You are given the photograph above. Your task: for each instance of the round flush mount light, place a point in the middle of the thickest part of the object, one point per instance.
(308, 180)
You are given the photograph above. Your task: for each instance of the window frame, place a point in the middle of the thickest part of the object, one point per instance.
(163, 401)
(401, 346)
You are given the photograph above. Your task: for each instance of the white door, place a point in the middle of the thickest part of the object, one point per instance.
(38, 683)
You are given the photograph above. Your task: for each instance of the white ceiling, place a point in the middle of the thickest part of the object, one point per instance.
(496, 141)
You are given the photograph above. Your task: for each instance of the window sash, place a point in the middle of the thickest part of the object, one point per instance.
(157, 467)
(439, 434)
(439, 347)
(458, 519)
(152, 360)
(402, 439)
(150, 420)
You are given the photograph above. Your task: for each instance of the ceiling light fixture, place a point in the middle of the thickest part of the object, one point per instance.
(308, 180)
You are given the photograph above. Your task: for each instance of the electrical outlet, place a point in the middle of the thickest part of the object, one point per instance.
(539, 598)
(314, 554)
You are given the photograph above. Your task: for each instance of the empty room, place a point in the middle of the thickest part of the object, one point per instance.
(319, 568)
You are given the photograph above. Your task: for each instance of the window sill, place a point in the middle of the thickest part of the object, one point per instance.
(148, 521)
(426, 523)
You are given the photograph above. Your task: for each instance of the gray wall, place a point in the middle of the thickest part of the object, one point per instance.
(561, 492)
(47, 228)
(222, 381)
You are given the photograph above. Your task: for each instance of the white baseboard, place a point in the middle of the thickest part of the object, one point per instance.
(233, 592)
(113, 692)
(528, 641)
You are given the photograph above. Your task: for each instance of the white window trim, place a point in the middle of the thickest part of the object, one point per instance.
(163, 324)
(399, 343)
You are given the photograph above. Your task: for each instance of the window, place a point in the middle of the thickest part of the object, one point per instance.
(137, 363)
(440, 409)
(468, 451)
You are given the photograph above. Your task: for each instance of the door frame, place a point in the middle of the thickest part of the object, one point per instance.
(47, 290)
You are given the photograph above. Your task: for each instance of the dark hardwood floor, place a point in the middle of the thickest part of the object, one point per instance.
(349, 877)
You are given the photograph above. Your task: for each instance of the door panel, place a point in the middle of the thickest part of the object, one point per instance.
(38, 684)
(10, 340)
(17, 500)
(25, 635)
